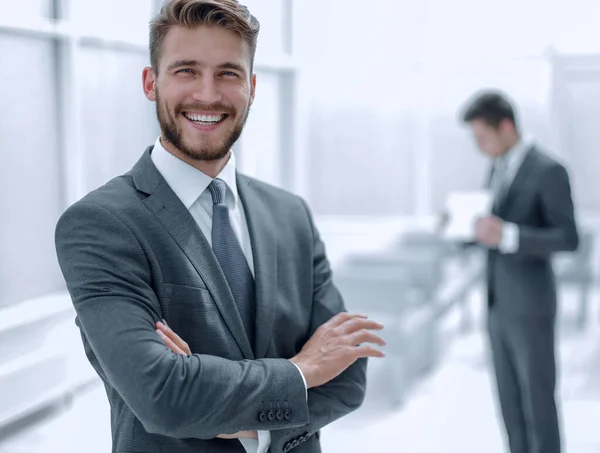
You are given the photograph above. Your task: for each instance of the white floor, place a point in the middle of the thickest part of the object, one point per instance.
(453, 410)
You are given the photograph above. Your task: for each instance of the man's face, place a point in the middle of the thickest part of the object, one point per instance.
(491, 141)
(203, 90)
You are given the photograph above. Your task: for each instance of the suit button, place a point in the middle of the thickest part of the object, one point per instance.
(279, 415)
(294, 443)
(271, 416)
(287, 415)
(262, 416)
(301, 439)
(287, 448)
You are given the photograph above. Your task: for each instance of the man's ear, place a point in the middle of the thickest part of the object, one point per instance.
(149, 83)
(252, 88)
(507, 125)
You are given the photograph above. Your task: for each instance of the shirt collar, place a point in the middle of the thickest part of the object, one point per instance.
(515, 155)
(188, 182)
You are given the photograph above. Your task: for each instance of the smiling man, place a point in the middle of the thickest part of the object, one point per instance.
(204, 297)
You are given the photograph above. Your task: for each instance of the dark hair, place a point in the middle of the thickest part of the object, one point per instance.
(229, 14)
(490, 107)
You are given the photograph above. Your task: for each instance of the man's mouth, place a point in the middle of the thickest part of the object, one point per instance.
(205, 119)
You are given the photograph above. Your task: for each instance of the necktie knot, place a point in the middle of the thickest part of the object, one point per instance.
(502, 164)
(218, 189)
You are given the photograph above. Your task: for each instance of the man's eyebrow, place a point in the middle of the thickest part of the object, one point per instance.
(179, 63)
(227, 65)
(235, 66)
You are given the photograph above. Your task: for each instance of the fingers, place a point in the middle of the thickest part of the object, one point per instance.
(341, 318)
(365, 336)
(176, 339)
(240, 435)
(363, 351)
(247, 435)
(170, 343)
(355, 324)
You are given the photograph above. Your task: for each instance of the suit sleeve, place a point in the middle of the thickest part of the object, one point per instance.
(341, 395)
(560, 232)
(199, 396)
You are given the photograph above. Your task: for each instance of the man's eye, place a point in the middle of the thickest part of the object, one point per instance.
(185, 70)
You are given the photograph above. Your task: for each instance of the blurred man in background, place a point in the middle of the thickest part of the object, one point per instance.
(532, 218)
(258, 353)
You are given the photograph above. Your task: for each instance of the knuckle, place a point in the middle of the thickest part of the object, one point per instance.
(337, 331)
(323, 328)
(338, 317)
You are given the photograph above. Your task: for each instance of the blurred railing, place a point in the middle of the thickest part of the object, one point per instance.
(42, 362)
(414, 284)
(410, 288)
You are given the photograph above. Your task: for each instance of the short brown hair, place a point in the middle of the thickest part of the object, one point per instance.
(229, 14)
(491, 107)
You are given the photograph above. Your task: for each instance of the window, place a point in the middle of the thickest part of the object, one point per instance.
(55, 131)
(31, 190)
(117, 120)
(112, 19)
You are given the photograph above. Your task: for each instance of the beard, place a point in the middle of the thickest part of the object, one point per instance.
(207, 151)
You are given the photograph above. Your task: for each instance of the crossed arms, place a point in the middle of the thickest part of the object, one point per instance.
(186, 396)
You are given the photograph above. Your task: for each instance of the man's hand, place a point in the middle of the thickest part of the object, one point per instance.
(335, 346)
(240, 435)
(488, 231)
(172, 340)
(178, 346)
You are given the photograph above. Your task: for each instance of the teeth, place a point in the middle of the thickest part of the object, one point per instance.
(204, 118)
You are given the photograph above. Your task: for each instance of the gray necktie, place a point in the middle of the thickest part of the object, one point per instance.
(499, 183)
(232, 260)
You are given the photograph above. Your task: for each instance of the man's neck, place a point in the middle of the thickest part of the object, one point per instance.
(511, 146)
(210, 168)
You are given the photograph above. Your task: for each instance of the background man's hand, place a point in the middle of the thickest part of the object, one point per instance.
(335, 346)
(488, 231)
(178, 346)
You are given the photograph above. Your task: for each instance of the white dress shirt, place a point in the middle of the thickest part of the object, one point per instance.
(190, 185)
(512, 159)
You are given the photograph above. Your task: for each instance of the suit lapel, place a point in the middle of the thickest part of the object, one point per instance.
(518, 181)
(264, 250)
(182, 227)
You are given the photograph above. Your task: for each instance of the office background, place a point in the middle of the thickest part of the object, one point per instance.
(356, 110)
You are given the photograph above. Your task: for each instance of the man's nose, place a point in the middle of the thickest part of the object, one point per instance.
(207, 91)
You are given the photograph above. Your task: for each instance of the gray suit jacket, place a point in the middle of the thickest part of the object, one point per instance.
(539, 202)
(132, 254)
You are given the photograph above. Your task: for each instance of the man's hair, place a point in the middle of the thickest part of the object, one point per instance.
(229, 14)
(490, 107)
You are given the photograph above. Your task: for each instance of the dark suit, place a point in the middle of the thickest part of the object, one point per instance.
(132, 254)
(522, 301)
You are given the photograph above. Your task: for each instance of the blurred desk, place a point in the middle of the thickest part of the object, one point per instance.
(409, 288)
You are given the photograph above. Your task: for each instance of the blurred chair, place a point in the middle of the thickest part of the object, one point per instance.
(438, 257)
(576, 268)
